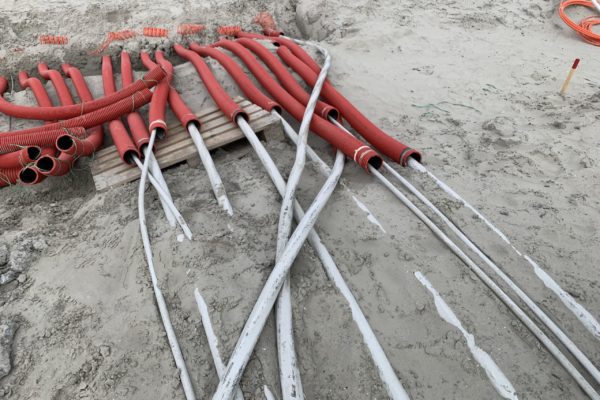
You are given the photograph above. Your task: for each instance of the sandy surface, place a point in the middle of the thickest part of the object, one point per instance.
(473, 86)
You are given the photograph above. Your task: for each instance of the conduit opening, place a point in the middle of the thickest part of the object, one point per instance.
(45, 164)
(64, 143)
(128, 156)
(28, 175)
(375, 162)
(333, 113)
(33, 152)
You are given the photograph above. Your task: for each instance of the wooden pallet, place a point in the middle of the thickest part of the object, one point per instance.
(217, 130)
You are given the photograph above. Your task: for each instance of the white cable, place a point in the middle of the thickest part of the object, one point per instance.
(162, 305)
(261, 310)
(289, 374)
(157, 173)
(386, 371)
(213, 341)
(213, 175)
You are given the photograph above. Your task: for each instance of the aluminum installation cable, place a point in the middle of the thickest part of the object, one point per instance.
(211, 170)
(586, 318)
(532, 305)
(291, 384)
(264, 304)
(162, 305)
(386, 371)
(563, 338)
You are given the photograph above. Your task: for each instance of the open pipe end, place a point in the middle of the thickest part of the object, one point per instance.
(33, 153)
(45, 164)
(407, 154)
(65, 143)
(129, 155)
(29, 176)
(332, 113)
(375, 161)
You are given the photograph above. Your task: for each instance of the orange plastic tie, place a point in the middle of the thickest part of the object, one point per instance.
(51, 39)
(156, 32)
(190, 29)
(113, 36)
(229, 30)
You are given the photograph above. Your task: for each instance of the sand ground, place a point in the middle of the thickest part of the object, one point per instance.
(474, 87)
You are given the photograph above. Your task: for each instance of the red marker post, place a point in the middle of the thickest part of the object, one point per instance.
(569, 77)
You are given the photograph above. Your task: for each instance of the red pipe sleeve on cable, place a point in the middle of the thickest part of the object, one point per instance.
(286, 78)
(118, 132)
(240, 77)
(70, 143)
(389, 146)
(149, 80)
(60, 86)
(158, 105)
(290, 44)
(137, 126)
(229, 107)
(353, 148)
(178, 106)
(20, 158)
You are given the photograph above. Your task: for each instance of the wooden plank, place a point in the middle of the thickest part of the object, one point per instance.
(217, 130)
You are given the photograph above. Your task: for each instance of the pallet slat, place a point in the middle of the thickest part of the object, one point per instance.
(217, 130)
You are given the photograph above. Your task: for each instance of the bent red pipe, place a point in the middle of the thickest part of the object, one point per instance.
(389, 146)
(178, 106)
(225, 103)
(36, 86)
(60, 86)
(137, 126)
(158, 105)
(286, 78)
(240, 77)
(149, 80)
(353, 148)
(93, 118)
(125, 146)
(44, 139)
(20, 158)
(73, 144)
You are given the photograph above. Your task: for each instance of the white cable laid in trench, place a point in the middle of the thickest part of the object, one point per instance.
(160, 300)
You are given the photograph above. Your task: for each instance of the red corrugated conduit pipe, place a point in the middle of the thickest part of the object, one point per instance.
(150, 79)
(389, 146)
(51, 164)
(326, 111)
(125, 146)
(73, 144)
(189, 120)
(352, 148)
(137, 126)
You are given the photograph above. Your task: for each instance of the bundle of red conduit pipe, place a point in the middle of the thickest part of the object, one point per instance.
(72, 130)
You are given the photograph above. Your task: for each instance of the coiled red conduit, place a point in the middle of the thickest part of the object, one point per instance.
(178, 106)
(125, 146)
(389, 146)
(353, 148)
(229, 107)
(137, 126)
(150, 79)
(286, 78)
